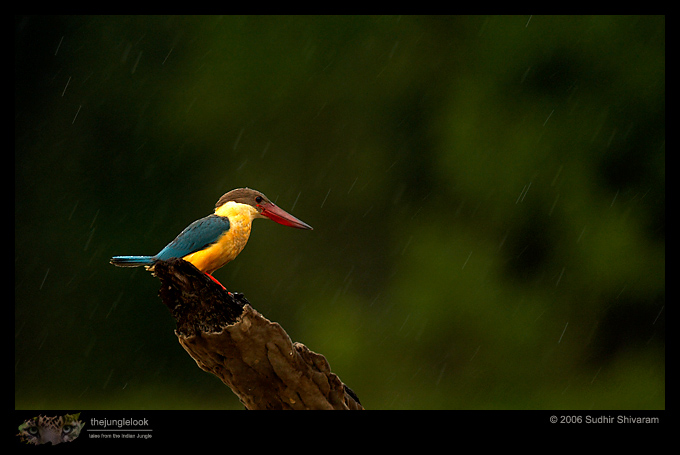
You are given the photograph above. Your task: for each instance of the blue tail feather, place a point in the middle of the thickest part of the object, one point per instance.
(132, 261)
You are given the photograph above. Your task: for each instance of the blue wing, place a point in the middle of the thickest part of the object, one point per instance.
(195, 237)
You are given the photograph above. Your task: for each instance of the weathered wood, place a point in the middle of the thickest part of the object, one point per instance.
(252, 355)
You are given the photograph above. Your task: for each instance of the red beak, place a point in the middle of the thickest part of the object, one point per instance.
(274, 213)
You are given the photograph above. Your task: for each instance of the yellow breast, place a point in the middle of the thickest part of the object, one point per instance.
(231, 243)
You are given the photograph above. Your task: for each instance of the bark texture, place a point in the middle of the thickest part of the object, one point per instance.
(252, 355)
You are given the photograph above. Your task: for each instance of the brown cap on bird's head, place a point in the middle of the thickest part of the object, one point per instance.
(263, 205)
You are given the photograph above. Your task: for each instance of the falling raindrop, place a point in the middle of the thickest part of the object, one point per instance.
(565, 329)
(44, 278)
(324, 199)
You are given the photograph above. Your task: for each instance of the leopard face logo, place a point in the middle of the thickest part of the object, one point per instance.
(55, 430)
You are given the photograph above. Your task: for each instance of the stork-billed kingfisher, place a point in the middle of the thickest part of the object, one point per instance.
(211, 242)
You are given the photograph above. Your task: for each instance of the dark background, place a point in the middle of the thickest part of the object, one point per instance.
(487, 196)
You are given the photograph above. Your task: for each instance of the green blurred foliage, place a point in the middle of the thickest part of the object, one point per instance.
(487, 196)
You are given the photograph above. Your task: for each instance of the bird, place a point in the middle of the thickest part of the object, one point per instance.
(211, 242)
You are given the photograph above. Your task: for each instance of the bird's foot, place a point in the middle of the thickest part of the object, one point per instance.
(236, 295)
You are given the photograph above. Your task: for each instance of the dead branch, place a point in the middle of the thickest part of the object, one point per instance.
(252, 355)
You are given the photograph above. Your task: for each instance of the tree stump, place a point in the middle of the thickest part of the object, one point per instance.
(252, 355)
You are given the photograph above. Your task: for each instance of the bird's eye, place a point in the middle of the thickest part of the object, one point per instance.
(258, 199)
